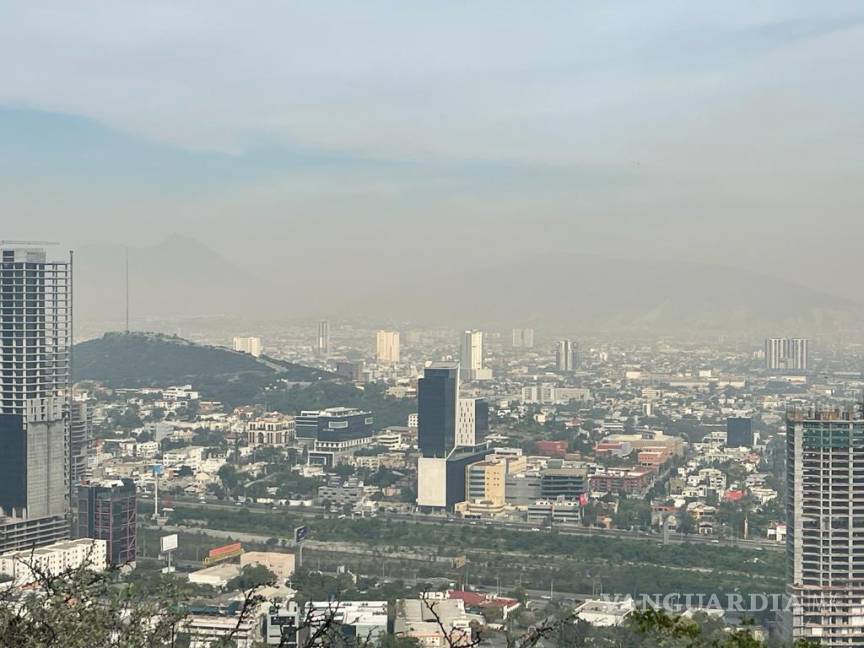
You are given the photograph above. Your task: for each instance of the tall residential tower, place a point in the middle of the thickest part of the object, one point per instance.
(35, 338)
(322, 342)
(566, 356)
(825, 517)
(471, 357)
(787, 354)
(387, 347)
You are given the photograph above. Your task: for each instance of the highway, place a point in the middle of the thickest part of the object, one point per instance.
(419, 518)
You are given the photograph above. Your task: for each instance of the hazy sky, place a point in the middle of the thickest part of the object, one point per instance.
(445, 132)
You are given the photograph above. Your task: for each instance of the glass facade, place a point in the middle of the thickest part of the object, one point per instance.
(437, 401)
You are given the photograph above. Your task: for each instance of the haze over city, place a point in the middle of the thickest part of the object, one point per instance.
(477, 324)
(413, 147)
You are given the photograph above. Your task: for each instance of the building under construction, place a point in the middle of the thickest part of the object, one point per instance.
(108, 510)
(825, 518)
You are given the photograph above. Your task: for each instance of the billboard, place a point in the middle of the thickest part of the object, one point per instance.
(158, 469)
(168, 543)
(225, 552)
(300, 534)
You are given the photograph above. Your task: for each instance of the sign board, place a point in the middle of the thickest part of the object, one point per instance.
(225, 552)
(300, 534)
(168, 543)
(158, 469)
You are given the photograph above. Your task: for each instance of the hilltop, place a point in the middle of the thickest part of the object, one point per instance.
(139, 359)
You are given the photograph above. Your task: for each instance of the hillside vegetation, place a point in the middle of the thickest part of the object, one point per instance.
(140, 359)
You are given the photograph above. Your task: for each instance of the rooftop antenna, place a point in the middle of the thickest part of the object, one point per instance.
(127, 289)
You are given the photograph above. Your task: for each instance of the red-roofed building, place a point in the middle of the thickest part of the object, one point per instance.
(484, 601)
(734, 496)
(551, 448)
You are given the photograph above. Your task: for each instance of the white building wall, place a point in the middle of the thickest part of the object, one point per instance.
(432, 482)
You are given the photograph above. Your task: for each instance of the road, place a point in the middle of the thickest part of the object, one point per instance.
(419, 518)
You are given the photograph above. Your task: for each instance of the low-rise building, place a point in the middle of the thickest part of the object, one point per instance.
(559, 511)
(422, 619)
(271, 430)
(623, 481)
(25, 566)
(605, 614)
(363, 621)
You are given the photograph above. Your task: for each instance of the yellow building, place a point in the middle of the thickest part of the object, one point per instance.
(485, 481)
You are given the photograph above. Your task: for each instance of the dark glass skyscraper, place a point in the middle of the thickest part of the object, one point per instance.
(437, 401)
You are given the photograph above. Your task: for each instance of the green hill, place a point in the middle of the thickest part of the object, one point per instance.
(140, 359)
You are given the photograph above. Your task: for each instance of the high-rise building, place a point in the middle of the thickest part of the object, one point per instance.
(471, 357)
(80, 439)
(446, 443)
(472, 422)
(35, 332)
(250, 345)
(824, 512)
(787, 354)
(566, 359)
(437, 405)
(108, 510)
(387, 346)
(322, 343)
(523, 338)
(739, 432)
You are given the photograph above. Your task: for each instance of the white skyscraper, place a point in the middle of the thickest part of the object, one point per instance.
(786, 353)
(471, 357)
(387, 346)
(322, 343)
(250, 345)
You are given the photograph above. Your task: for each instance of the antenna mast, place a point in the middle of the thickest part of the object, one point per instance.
(127, 288)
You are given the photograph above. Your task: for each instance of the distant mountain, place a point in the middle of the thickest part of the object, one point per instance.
(182, 278)
(179, 277)
(138, 359)
(587, 292)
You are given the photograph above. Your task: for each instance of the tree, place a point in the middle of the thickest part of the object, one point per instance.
(80, 608)
(251, 577)
(228, 476)
(185, 471)
(686, 522)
